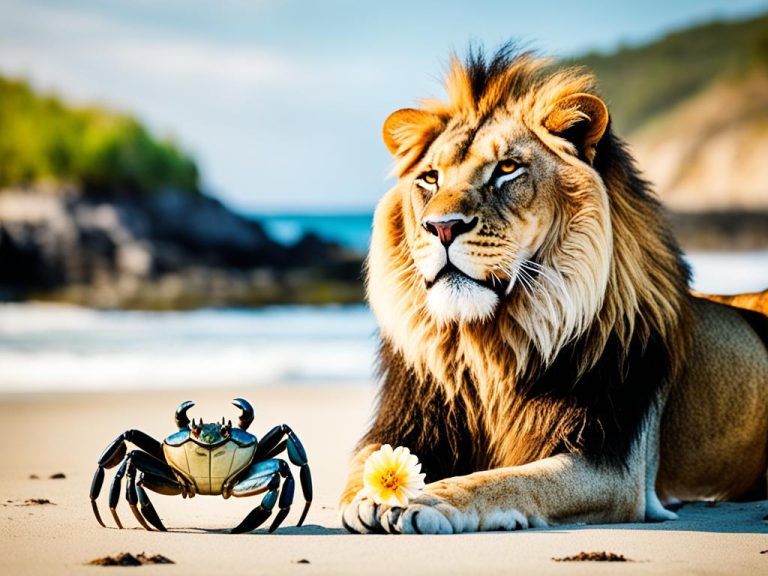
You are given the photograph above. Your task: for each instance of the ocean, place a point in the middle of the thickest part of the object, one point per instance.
(351, 230)
(51, 347)
(63, 348)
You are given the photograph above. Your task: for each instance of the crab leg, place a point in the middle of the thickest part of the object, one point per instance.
(135, 494)
(258, 515)
(114, 454)
(272, 443)
(148, 510)
(263, 476)
(133, 499)
(286, 496)
(136, 459)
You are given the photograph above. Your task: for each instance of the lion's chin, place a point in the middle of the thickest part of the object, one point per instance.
(456, 298)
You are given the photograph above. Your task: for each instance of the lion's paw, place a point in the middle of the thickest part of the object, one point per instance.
(431, 514)
(424, 519)
(363, 516)
(435, 516)
(425, 515)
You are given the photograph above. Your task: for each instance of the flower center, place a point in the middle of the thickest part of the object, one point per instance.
(390, 480)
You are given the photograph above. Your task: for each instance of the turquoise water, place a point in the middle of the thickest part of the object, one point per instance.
(351, 230)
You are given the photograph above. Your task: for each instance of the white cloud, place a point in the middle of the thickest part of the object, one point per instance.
(75, 49)
(197, 62)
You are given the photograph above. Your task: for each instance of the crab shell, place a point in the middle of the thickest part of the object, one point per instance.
(206, 458)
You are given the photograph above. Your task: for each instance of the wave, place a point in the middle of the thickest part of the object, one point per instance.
(729, 272)
(48, 347)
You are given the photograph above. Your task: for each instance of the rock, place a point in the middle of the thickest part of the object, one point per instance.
(168, 250)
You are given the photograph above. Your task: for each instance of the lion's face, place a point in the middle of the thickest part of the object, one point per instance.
(480, 210)
(491, 207)
(498, 224)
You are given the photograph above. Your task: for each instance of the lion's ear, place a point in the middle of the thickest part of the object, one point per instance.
(410, 128)
(581, 119)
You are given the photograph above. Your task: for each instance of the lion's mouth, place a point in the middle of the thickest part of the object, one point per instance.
(498, 286)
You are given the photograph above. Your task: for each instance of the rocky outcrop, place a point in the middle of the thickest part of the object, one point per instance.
(166, 250)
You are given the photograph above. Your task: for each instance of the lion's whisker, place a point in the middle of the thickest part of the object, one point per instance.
(556, 280)
(525, 282)
(541, 289)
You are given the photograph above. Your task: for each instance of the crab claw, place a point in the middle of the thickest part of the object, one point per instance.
(247, 413)
(182, 420)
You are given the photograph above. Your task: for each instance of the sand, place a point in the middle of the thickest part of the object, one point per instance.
(46, 434)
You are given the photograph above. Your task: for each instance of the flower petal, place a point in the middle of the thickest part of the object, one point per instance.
(392, 476)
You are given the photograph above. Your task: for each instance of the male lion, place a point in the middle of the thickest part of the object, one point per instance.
(540, 351)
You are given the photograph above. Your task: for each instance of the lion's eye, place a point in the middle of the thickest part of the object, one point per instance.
(508, 166)
(428, 180)
(430, 177)
(507, 170)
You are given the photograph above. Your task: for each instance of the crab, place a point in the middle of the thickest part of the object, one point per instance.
(206, 458)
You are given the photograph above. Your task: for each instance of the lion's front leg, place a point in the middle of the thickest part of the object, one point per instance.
(560, 489)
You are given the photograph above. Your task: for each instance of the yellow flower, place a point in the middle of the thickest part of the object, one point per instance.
(392, 477)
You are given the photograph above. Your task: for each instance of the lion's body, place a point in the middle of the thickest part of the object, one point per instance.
(540, 351)
(714, 434)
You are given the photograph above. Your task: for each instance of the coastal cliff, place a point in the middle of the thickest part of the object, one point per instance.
(694, 107)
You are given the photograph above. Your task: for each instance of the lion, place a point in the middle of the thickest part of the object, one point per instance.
(540, 350)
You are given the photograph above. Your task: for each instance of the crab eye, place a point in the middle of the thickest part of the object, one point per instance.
(428, 180)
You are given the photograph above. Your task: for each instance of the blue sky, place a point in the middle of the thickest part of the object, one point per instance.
(282, 102)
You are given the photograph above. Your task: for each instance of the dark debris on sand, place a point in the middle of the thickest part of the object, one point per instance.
(37, 502)
(57, 476)
(128, 559)
(302, 561)
(593, 557)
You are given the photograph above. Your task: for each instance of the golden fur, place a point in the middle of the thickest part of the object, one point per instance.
(757, 301)
(566, 286)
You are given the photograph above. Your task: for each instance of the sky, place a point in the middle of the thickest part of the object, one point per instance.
(282, 102)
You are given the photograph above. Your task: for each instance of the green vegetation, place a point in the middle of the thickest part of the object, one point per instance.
(102, 151)
(640, 82)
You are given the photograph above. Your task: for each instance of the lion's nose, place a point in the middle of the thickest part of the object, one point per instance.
(447, 230)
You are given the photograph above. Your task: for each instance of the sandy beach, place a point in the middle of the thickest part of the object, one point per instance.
(47, 434)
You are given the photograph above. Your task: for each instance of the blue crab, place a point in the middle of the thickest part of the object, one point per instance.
(206, 458)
